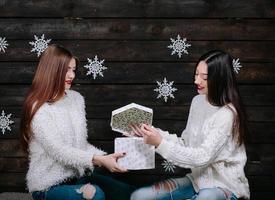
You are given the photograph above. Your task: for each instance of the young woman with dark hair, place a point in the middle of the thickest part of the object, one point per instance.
(54, 134)
(212, 144)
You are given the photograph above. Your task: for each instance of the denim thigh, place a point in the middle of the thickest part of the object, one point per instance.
(214, 194)
(171, 189)
(114, 189)
(66, 192)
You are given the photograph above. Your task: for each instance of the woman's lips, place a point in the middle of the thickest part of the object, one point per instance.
(68, 82)
(200, 88)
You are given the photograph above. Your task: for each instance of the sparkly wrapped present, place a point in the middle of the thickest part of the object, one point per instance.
(138, 154)
(130, 114)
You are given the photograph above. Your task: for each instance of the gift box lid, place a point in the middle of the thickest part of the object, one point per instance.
(130, 114)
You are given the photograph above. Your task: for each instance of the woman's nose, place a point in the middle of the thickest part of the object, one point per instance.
(197, 81)
(71, 75)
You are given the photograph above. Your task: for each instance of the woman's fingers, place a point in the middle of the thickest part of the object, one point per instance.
(145, 131)
(118, 168)
(136, 130)
(111, 162)
(118, 155)
(149, 128)
(133, 131)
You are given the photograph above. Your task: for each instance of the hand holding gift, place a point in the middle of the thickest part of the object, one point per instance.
(110, 162)
(150, 135)
(138, 154)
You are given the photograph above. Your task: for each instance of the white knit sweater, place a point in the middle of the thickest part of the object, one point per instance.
(207, 147)
(59, 149)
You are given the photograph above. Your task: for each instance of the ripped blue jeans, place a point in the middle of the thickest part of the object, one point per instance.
(79, 189)
(180, 189)
(96, 186)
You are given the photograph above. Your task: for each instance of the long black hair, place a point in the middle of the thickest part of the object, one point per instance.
(223, 89)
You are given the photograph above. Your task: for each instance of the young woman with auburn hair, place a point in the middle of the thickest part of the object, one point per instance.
(212, 144)
(54, 134)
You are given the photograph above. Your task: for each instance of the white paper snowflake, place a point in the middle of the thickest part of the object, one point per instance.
(168, 166)
(236, 65)
(3, 44)
(179, 45)
(165, 89)
(40, 44)
(95, 67)
(5, 122)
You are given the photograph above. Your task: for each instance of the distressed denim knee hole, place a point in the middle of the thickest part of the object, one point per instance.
(88, 191)
(168, 185)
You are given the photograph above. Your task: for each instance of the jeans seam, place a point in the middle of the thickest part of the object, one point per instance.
(45, 195)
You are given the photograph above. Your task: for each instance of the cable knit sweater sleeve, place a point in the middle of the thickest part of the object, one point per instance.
(170, 137)
(173, 137)
(45, 133)
(216, 132)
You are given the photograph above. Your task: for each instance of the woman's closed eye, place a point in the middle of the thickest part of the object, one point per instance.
(202, 76)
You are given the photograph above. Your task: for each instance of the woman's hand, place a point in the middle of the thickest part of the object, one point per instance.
(109, 161)
(136, 131)
(150, 135)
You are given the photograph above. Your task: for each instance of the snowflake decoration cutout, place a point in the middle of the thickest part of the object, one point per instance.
(165, 89)
(40, 44)
(3, 44)
(179, 45)
(236, 65)
(168, 166)
(95, 67)
(5, 122)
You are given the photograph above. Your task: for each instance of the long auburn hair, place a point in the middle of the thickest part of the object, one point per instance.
(223, 89)
(48, 85)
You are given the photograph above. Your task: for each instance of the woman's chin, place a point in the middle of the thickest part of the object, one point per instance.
(201, 92)
(67, 87)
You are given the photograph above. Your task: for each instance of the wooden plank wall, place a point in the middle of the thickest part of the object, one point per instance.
(132, 36)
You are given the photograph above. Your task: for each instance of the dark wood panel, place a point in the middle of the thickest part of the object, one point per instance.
(153, 29)
(257, 153)
(252, 51)
(262, 195)
(136, 8)
(99, 129)
(132, 36)
(138, 73)
(10, 148)
(255, 113)
(103, 95)
(9, 165)
(15, 165)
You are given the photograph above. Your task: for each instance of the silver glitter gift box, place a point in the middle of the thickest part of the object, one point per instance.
(130, 114)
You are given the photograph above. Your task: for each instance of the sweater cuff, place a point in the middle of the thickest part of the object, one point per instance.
(88, 161)
(163, 148)
(100, 153)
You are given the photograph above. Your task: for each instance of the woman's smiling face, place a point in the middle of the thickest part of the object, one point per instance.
(201, 78)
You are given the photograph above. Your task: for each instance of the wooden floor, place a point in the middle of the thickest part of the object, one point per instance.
(132, 36)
